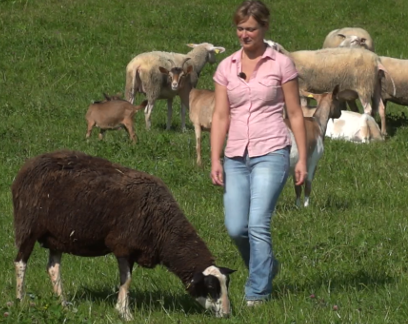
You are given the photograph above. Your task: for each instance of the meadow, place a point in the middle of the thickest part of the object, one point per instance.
(343, 259)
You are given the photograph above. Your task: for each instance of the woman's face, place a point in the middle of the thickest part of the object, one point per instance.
(250, 33)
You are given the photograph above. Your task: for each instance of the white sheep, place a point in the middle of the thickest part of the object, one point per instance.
(358, 73)
(202, 104)
(354, 127)
(327, 107)
(349, 37)
(394, 84)
(142, 76)
(350, 126)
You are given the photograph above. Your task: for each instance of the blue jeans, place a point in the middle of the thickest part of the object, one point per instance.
(252, 188)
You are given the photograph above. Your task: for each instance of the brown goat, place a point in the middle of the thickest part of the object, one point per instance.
(87, 206)
(112, 113)
(202, 104)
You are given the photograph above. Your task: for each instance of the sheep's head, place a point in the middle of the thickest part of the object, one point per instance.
(210, 289)
(176, 74)
(211, 51)
(352, 41)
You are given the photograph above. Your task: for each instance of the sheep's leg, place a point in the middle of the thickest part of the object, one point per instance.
(128, 123)
(364, 130)
(197, 129)
(148, 111)
(353, 106)
(125, 270)
(54, 271)
(380, 107)
(101, 133)
(20, 264)
(169, 113)
(298, 191)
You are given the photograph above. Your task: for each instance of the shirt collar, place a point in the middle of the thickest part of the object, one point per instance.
(269, 52)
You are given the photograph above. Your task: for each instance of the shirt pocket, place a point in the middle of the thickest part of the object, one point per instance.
(268, 90)
(235, 92)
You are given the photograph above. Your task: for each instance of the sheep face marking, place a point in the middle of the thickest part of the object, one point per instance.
(210, 289)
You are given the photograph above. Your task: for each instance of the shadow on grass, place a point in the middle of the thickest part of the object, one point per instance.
(359, 281)
(156, 300)
(396, 121)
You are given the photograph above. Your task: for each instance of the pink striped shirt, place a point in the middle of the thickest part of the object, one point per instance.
(256, 107)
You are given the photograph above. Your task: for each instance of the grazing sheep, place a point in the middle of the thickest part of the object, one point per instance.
(327, 107)
(112, 113)
(202, 104)
(142, 77)
(349, 37)
(87, 206)
(358, 73)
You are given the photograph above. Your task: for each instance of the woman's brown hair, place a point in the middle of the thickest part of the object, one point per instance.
(255, 8)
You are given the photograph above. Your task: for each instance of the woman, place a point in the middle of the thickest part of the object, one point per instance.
(251, 87)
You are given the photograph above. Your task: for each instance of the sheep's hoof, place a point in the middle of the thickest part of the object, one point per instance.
(126, 316)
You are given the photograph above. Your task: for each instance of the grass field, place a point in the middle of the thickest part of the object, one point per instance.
(349, 249)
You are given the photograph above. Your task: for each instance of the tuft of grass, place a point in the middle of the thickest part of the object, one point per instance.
(343, 259)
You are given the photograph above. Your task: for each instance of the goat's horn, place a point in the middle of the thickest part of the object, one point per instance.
(172, 62)
(182, 65)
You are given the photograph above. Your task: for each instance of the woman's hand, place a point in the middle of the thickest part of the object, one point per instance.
(217, 173)
(300, 172)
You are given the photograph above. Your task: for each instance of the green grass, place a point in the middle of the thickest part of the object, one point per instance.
(348, 249)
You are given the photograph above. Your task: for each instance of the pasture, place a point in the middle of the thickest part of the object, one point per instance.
(343, 259)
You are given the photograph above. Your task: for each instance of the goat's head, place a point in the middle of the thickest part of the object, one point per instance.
(176, 74)
(210, 289)
(352, 41)
(330, 99)
(211, 51)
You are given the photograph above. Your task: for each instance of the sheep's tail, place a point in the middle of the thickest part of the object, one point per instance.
(382, 68)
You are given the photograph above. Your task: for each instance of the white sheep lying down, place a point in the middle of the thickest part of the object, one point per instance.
(350, 126)
(354, 127)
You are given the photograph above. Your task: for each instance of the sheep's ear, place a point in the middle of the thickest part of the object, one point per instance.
(226, 271)
(143, 104)
(198, 276)
(219, 49)
(163, 70)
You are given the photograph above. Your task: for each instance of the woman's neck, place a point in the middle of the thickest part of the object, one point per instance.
(255, 53)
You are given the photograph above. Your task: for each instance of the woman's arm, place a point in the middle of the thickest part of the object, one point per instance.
(219, 128)
(295, 115)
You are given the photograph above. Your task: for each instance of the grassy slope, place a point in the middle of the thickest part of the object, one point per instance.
(348, 248)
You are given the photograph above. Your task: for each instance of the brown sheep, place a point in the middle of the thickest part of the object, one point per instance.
(87, 206)
(112, 113)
